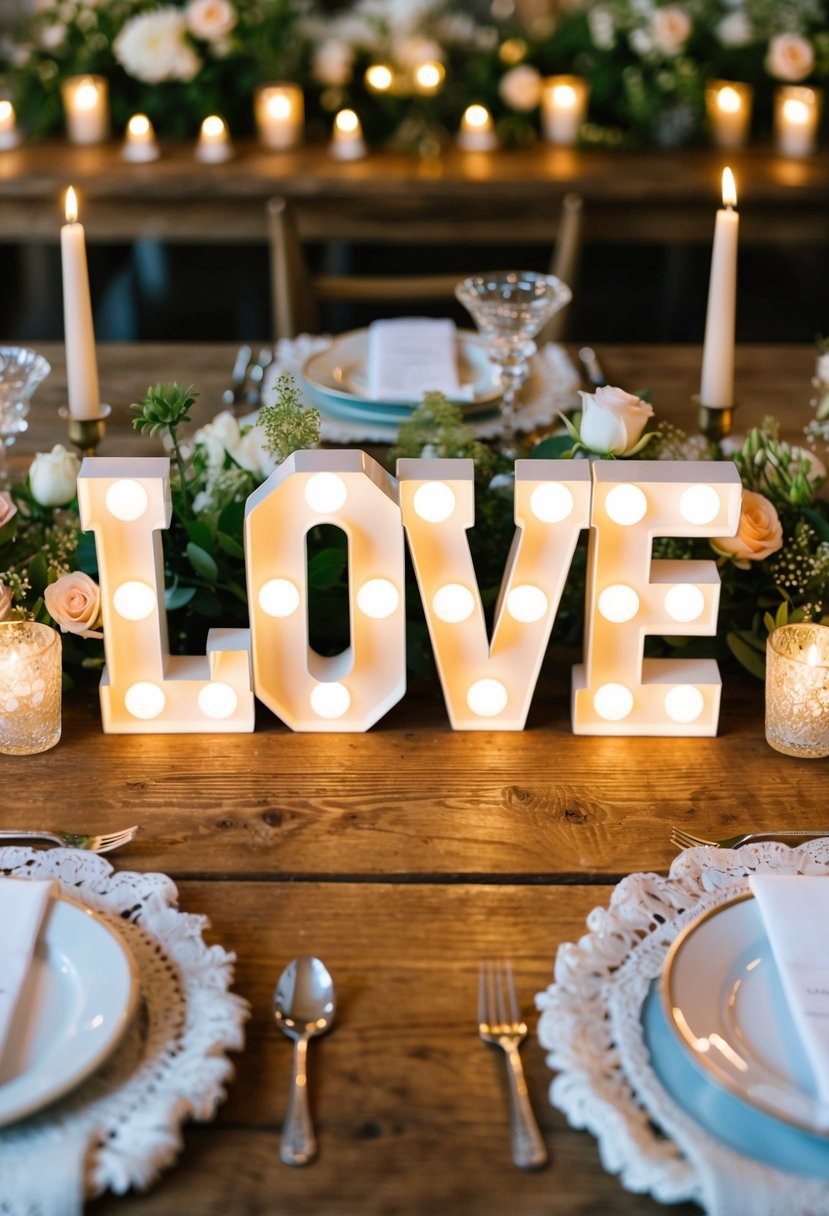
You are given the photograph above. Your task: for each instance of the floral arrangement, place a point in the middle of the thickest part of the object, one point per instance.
(774, 571)
(647, 61)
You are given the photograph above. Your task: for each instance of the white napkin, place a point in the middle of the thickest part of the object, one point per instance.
(795, 913)
(410, 356)
(23, 906)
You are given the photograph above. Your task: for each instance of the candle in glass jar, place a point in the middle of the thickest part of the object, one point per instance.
(797, 690)
(477, 132)
(717, 384)
(86, 109)
(214, 144)
(9, 135)
(728, 104)
(139, 143)
(347, 141)
(280, 115)
(796, 117)
(81, 363)
(563, 108)
(30, 687)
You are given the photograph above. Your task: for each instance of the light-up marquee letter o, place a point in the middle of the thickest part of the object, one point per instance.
(352, 690)
(126, 503)
(616, 691)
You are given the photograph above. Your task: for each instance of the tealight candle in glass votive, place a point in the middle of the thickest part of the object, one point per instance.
(214, 144)
(30, 687)
(279, 110)
(796, 118)
(9, 134)
(477, 132)
(728, 104)
(347, 141)
(797, 690)
(86, 109)
(139, 142)
(563, 108)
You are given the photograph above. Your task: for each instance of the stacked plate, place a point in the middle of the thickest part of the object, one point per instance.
(723, 1043)
(76, 1003)
(336, 380)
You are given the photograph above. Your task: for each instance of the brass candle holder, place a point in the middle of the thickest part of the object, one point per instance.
(714, 423)
(86, 434)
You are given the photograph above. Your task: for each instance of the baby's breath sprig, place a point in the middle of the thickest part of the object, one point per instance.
(288, 424)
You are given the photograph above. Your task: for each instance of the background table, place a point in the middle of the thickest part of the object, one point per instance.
(402, 857)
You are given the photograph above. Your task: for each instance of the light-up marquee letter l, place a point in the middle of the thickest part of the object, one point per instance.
(352, 690)
(489, 685)
(629, 595)
(126, 503)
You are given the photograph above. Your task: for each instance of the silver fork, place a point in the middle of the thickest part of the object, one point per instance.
(74, 840)
(499, 1022)
(685, 840)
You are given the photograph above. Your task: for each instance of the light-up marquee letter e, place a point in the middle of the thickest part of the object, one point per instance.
(126, 503)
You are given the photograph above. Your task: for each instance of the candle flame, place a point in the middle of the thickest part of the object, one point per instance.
(728, 100)
(279, 106)
(795, 111)
(477, 116)
(564, 96)
(729, 189)
(347, 121)
(213, 127)
(6, 111)
(139, 126)
(71, 206)
(812, 655)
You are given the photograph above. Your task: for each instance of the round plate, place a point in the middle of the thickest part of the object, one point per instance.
(722, 996)
(76, 1003)
(340, 373)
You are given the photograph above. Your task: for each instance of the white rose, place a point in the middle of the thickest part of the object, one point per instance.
(822, 368)
(735, 30)
(223, 436)
(333, 62)
(640, 42)
(789, 57)
(520, 88)
(52, 36)
(211, 20)
(670, 29)
(612, 420)
(153, 47)
(53, 476)
(602, 28)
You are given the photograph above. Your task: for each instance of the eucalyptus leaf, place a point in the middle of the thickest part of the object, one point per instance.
(178, 597)
(230, 546)
(202, 562)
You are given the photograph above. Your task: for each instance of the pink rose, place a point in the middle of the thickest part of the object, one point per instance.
(8, 509)
(5, 602)
(790, 57)
(74, 602)
(759, 533)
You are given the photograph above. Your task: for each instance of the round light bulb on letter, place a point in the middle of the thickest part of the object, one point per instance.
(453, 603)
(684, 602)
(330, 700)
(434, 501)
(699, 504)
(127, 500)
(551, 503)
(325, 493)
(144, 700)
(218, 700)
(527, 603)
(618, 603)
(378, 598)
(684, 703)
(134, 601)
(613, 702)
(626, 505)
(486, 698)
(278, 597)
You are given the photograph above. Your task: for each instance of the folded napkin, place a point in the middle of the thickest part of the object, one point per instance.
(410, 356)
(24, 904)
(795, 913)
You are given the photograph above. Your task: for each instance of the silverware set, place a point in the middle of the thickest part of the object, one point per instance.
(73, 840)
(244, 392)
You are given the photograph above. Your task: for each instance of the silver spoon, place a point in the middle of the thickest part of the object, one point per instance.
(303, 1007)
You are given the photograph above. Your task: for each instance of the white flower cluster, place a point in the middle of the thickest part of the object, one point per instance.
(156, 46)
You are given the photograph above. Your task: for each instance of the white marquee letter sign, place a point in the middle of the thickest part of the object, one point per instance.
(126, 503)
(489, 686)
(352, 690)
(630, 595)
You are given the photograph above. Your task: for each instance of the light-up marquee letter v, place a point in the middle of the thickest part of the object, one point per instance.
(126, 503)
(352, 690)
(489, 685)
(629, 595)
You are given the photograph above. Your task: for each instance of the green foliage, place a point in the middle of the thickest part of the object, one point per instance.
(287, 424)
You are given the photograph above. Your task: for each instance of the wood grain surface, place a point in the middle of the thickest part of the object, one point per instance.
(402, 857)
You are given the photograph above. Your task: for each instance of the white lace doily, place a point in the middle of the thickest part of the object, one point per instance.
(551, 387)
(123, 1126)
(591, 1026)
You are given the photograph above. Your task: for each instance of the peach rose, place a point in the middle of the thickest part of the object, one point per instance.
(759, 533)
(789, 57)
(8, 508)
(74, 602)
(612, 420)
(670, 29)
(210, 19)
(5, 602)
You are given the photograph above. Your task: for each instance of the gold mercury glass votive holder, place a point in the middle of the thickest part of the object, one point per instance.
(30, 687)
(797, 690)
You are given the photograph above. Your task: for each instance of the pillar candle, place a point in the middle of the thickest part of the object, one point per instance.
(477, 133)
(728, 103)
(347, 141)
(140, 144)
(214, 146)
(81, 364)
(796, 116)
(280, 115)
(86, 108)
(9, 135)
(563, 108)
(717, 385)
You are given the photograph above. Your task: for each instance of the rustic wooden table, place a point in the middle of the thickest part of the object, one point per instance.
(503, 197)
(402, 857)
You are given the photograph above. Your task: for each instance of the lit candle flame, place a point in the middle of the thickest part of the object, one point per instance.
(728, 100)
(139, 126)
(347, 121)
(812, 655)
(477, 116)
(279, 106)
(564, 95)
(729, 189)
(71, 206)
(213, 127)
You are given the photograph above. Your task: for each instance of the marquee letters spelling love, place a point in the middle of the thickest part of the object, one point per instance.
(488, 682)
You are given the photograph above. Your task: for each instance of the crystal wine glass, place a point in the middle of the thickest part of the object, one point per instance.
(509, 308)
(21, 371)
